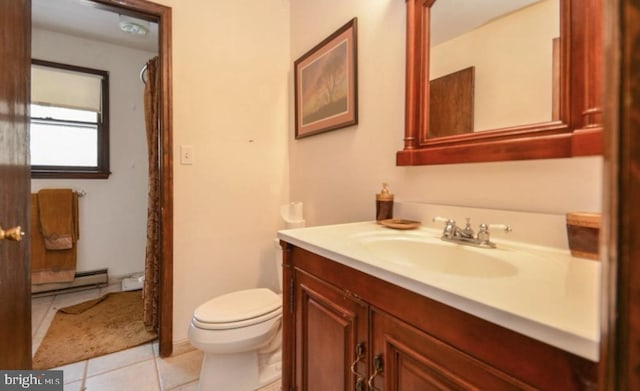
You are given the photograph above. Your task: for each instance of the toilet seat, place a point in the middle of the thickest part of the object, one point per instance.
(238, 309)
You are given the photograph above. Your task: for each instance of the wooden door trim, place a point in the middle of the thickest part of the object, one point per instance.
(620, 351)
(161, 15)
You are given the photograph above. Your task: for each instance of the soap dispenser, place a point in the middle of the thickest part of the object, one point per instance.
(384, 204)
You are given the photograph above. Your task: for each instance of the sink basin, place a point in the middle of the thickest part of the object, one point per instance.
(419, 250)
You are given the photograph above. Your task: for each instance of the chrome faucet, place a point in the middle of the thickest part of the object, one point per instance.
(466, 235)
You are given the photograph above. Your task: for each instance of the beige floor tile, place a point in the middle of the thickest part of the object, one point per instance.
(187, 387)
(67, 299)
(39, 308)
(177, 349)
(117, 287)
(140, 377)
(178, 370)
(182, 348)
(37, 338)
(73, 372)
(276, 386)
(120, 359)
(42, 300)
(75, 386)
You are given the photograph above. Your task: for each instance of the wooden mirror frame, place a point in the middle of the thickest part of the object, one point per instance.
(577, 133)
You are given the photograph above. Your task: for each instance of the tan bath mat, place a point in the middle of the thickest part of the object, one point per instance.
(93, 328)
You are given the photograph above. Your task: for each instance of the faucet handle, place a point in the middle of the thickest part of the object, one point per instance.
(483, 234)
(503, 227)
(449, 222)
(467, 228)
(449, 230)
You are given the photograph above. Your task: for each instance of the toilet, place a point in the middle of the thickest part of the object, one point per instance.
(240, 334)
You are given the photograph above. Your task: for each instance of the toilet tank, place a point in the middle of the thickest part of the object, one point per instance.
(278, 261)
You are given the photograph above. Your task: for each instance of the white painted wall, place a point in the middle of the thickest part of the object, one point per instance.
(230, 102)
(336, 174)
(113, 213)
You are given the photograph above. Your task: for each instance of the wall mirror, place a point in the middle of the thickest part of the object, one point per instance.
(501, 80)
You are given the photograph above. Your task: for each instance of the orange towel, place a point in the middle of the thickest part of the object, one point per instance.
(58, 265)
(57, 218)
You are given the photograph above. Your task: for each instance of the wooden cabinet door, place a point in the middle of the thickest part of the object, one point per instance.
(329, 324)
(412, 360)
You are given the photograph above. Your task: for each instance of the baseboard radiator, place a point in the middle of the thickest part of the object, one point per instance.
(83, 280)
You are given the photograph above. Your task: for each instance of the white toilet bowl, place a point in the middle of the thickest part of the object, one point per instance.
(240, 334)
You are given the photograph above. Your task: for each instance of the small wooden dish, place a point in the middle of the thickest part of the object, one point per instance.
(399, 223)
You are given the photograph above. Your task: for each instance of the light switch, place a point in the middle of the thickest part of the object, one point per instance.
(186, 154)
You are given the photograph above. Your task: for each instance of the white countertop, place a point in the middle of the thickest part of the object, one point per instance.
(545, 294)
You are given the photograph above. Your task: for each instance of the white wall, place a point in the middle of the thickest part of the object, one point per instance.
(230, 102)
(113, 213)
(336, 174)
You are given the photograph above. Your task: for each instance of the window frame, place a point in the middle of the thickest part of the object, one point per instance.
(101, 171)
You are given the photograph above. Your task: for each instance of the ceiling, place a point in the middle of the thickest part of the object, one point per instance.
(451, 18)
(77, 18)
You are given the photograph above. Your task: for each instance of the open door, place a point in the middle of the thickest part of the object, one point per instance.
(15, 185)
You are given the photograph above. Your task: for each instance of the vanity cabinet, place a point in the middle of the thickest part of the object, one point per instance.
(347, 330)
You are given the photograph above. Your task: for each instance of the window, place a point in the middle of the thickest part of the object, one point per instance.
(69, 121)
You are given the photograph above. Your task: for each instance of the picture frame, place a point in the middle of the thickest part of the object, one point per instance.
(326, 84)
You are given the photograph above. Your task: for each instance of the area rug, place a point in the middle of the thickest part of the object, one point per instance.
(93, 328)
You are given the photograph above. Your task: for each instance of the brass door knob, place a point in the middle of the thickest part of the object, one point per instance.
(14, 234)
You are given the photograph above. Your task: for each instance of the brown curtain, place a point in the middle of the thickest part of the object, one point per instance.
(150, 291)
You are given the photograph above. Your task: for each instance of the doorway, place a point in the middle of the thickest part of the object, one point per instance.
(159, 16)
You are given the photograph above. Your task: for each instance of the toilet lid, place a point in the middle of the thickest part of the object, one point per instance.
(238, 306)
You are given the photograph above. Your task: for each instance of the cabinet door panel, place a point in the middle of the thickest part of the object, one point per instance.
(413, 360)
(408, 372)
(326, 338)
(329, 325)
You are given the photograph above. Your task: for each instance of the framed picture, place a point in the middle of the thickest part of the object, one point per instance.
(326, 96)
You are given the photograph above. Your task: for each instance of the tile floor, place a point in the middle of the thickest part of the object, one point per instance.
(139, 368)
